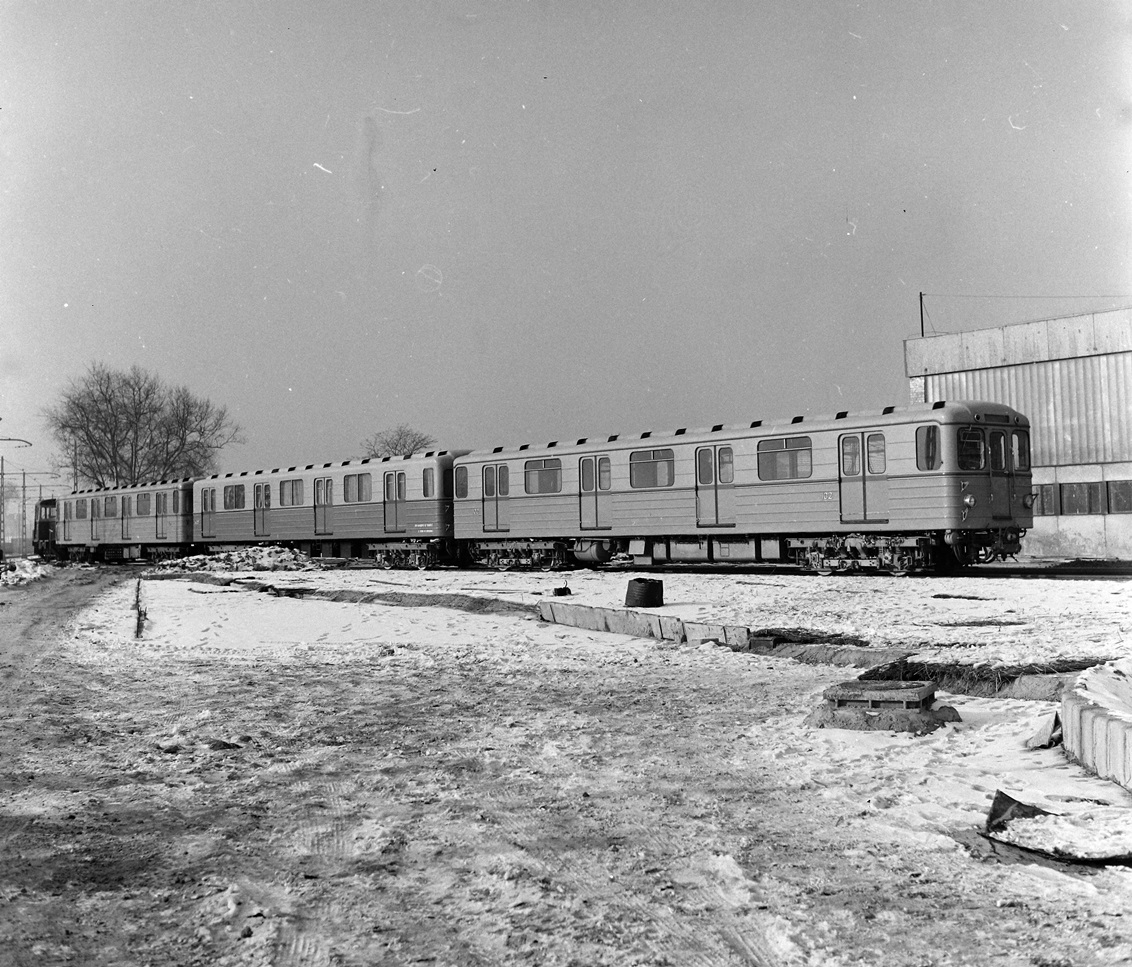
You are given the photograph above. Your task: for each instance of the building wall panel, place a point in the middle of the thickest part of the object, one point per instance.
(982, 348)
(1113, 331)
(1024, 343)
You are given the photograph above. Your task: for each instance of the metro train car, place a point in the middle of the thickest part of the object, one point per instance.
(932, 485)
(151, 521)
(395, 510)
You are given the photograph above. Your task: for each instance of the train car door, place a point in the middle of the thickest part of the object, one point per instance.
(261, 507)
(1001, 477)
(715, 478)
(160, 510)
(864, 482)
(208, 512)
(496, 495)
(395, 482)
(595, 482)
(323, 505)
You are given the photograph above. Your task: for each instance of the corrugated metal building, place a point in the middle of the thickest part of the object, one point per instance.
(1073, 378)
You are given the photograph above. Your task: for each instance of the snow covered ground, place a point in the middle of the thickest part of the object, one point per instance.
(302, 779)
(22, 570)
(912, 789)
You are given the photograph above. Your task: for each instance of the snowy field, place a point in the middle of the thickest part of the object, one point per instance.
(435, 774)
(916, 789)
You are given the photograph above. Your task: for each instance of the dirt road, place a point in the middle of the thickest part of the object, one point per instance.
(579, 805)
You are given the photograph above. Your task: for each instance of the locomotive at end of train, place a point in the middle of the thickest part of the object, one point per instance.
(938, 485)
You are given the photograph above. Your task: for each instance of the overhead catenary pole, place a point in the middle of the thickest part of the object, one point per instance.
(921, 315)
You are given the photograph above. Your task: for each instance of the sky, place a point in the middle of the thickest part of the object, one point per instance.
(512, 222)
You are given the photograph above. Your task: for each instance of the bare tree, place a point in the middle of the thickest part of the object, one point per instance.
(398, 442)
(118, 428)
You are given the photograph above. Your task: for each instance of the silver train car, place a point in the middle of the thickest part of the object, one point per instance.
(933, 485)
(937, 485)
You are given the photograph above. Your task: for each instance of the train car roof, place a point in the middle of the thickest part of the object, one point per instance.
(335, 464)
(956, 410)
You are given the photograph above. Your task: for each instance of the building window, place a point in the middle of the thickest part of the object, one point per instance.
(927, 448)
(543, 476)
(1120, 496)
(428, 482)
(357, 487)
(971, 454)
(234, 497)
(1046, 503)
(1082, 498)
(652, 468)
(790, 458)
(461, 477)
(291, 493)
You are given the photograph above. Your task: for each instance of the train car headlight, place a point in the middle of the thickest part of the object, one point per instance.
(970, 500)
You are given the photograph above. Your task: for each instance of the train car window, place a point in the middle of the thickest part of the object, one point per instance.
(971, 453)
(705, 469)
(291, 493)
(788, 458)
(461, 481)
(503, 480)
(1120, 496)
(127, 506)
(1082, 498)
(95, 508)
(145, 502)
(928, 456)
(80, 509)
(652, 468)
(177, 502)
(357, 487)
(489, 481)
(726, 465)
(589, 477)
(234, 497)
(428, 482)
(110, 508)
(1020, 450)
(997, 450)
(604, 474)
(878, 459)
(543, 476)
(850, 456)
